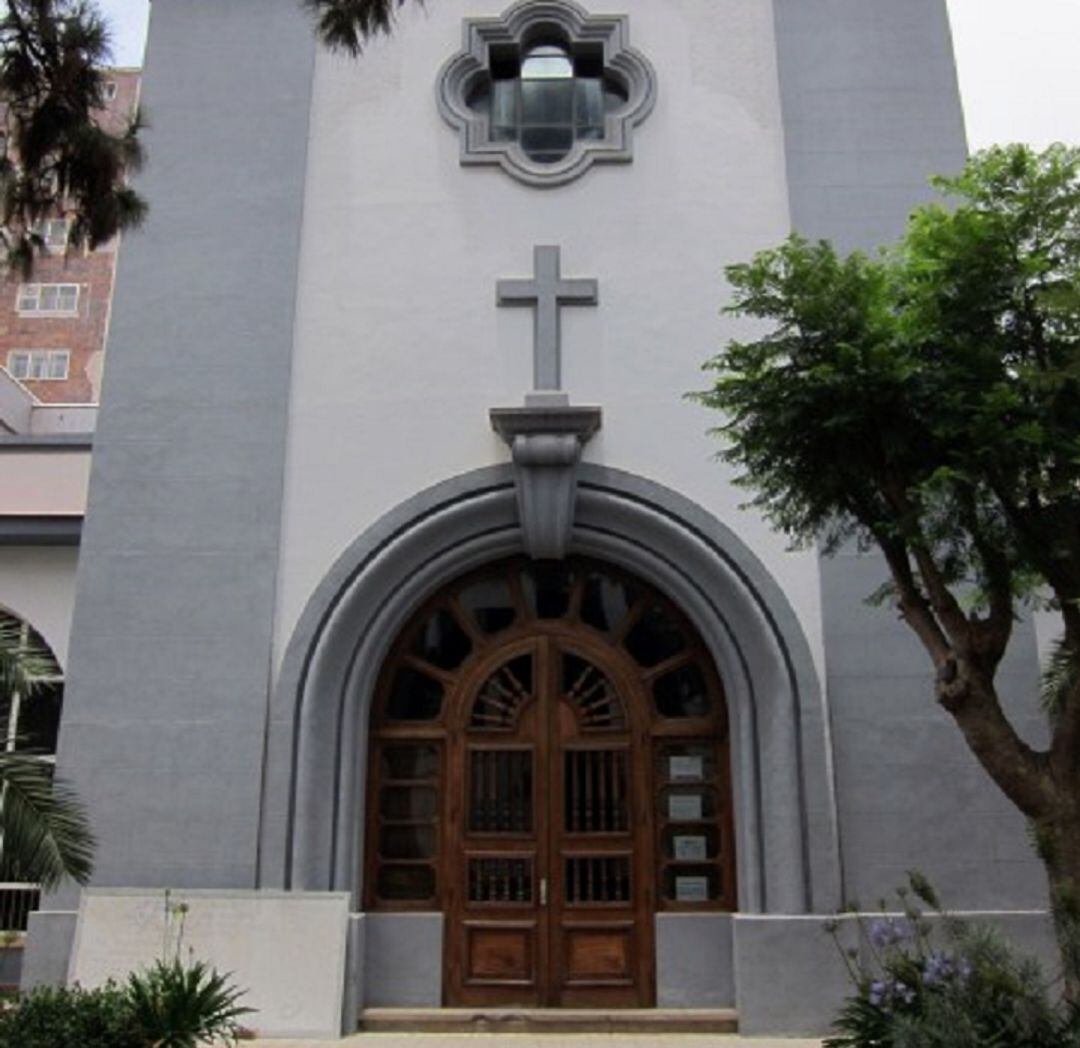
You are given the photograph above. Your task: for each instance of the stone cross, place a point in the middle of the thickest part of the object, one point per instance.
(547, 292)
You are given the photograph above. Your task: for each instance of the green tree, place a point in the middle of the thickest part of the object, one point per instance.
(58, 160)
(44, 833)
(927, 402)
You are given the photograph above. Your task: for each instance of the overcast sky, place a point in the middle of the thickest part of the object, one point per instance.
(1017, 60)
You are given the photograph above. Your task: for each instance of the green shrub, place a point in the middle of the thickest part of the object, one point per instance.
(65, 1017)
(180, 1005)
(946, 983)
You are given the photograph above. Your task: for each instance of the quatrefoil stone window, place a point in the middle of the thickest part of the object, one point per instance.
(546, 90)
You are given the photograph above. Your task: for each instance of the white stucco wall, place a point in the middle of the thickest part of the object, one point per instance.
(399, 348)
(37, 583)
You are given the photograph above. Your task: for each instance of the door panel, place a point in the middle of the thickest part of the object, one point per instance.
(551, 908)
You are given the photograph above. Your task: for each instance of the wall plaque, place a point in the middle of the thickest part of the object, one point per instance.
(684, 807)
(684, 768)
(692, 889)
(691, 849)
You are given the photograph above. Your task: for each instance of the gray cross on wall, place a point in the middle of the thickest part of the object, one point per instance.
(547, 292)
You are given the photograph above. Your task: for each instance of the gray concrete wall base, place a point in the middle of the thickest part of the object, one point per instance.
(790, 979)
(694, 962)
(48, 948)
(403, 954)
(353, 1000)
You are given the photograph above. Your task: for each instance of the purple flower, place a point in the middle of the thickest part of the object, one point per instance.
(887, 931)
(877, 993)
(905, 993)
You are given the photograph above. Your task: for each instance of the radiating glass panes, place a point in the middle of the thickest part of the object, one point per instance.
(605, 601)
(414, 696)
(656, 636)
(503, 695)
(591, 695)
(547, 589)
(683, 693)
(442, 642)
(489, 601)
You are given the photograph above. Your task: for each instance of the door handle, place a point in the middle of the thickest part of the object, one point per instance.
(543, 891)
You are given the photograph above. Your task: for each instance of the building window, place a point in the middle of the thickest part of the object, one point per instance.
(53, 232)
(546, 90)
(39, 365)
(108, 90)
(55, 299)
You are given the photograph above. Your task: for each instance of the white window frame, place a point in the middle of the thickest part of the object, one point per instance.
(39, 365)
(29, 300)
(54, 232)
(108, 90)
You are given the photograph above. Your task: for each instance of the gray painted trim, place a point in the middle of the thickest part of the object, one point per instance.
(47, 442)
(546, 443)
(40, 531)
(463, 71)
(312, 825)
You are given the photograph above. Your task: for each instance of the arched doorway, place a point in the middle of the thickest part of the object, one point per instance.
(549, 767)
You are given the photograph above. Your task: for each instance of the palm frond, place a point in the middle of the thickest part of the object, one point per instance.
(44, 833)
(22, 665)
(1060, 677)
(346, 25)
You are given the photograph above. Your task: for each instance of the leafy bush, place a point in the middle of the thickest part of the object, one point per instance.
(58, 1017)
(180, 1005)
(945, 983)
(171, 1005)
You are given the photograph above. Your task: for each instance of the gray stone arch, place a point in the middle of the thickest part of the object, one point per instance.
(313, 812)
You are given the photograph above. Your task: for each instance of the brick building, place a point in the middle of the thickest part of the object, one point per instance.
(53, 328)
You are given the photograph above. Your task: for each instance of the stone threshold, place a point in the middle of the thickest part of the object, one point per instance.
(549, 1020)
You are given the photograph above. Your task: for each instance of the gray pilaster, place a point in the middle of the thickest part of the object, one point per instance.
(871, 109)
(171, 641)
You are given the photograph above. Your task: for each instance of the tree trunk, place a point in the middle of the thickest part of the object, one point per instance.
(1058, 838)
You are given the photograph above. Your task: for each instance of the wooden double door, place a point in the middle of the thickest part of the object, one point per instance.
(549, 769)
(550, 870)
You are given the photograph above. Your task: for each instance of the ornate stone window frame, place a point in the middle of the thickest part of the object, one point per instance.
(519, 26)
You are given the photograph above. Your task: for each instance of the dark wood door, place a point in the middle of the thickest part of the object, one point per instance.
(549, 874)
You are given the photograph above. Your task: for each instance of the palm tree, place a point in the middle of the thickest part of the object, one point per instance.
(44, 833)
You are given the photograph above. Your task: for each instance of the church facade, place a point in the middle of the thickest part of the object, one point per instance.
(409, 573)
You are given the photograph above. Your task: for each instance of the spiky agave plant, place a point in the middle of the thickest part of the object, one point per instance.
(178, 1005)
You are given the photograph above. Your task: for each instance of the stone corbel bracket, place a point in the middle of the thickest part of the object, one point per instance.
(545, 442)
(518, 26)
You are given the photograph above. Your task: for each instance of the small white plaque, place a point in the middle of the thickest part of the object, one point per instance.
(684, 807)
(691, 849)
(686, 768)
(692, 889)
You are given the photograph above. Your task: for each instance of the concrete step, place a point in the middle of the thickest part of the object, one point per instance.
(549, 1020)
